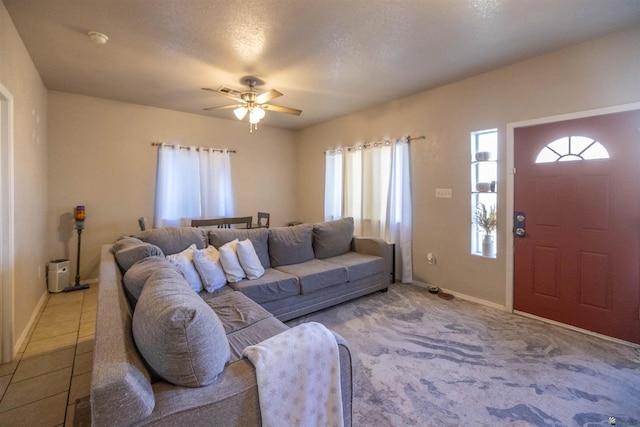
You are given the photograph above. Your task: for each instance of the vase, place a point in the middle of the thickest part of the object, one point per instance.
(488, 245)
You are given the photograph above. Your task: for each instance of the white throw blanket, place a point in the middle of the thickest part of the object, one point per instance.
(298, 374)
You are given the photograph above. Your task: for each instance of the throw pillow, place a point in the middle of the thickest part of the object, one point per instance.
(207, 263)
(290, 245)
(249, 260)
(332, 238)
(184, 261)
(258, 236)
(129, 250)
(136, 277)
(178, 334)
(230, 263)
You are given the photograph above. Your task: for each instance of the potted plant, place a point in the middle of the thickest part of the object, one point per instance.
(488, 221)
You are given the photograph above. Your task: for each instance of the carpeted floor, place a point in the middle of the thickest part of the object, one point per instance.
(422, 361)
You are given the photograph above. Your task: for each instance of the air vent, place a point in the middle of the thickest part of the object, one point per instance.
(228, 91)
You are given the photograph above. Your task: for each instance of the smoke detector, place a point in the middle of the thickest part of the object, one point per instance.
(98, 38)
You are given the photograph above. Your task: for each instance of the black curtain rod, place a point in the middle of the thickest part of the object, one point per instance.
(186, 147)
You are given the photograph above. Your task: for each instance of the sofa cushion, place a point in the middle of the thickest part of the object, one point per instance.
(135, 277)
(358, 265)
(316, 274)
(249, 260)
(332, 238)
(245, 322)
(236, 311)
(184, 261)
(174, 239)
(272, 286)
(253, 334)
(259, 238)
(129, 250)
(207, 262)
(290, 245)
(177, 333)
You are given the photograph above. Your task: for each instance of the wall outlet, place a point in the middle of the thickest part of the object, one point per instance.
(444, 193)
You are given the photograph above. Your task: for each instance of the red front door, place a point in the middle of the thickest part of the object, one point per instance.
(579, 260)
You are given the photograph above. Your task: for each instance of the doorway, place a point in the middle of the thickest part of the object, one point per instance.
(577, 185)
(6, 226)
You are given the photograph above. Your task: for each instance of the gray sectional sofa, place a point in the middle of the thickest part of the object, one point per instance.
(151, 369)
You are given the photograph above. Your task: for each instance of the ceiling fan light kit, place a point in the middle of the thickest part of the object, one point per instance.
(240, 112)
(252, 103)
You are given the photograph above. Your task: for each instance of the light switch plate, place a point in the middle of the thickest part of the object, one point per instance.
(443, 193)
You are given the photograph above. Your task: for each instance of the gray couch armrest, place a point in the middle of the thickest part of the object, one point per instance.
(346, 378)
(232, 400)
(121, 391)
(375, 246)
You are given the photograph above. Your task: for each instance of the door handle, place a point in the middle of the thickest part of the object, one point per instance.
(519, 228)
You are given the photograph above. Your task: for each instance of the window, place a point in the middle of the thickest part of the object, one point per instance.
(192, 183)
(484, 187)
(333, 185)
(372, 183)
(572, 148)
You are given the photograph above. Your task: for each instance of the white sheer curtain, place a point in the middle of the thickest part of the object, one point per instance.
(399, 226)
(377, 194)
(333, 185)
(192, 183)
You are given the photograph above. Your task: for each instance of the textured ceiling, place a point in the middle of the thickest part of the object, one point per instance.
(328, 58)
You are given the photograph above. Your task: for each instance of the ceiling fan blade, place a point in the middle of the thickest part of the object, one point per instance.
(267, 96)
(229, 93)
(279, 109)
(224, 107)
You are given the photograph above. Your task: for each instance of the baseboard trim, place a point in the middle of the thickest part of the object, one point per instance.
(31, 323)
(464, 296)
(575, 328)
(530, 316)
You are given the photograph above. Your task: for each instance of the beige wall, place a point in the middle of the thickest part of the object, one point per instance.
(599, 73)
(20, 77)
(100, 156)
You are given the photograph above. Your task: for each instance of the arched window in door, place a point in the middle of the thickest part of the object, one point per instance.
(572, 148)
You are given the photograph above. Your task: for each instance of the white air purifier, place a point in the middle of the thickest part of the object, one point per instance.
(58, 277)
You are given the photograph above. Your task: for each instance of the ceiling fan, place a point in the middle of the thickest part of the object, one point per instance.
(251, 103)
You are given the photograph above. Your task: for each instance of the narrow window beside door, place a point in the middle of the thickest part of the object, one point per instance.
(484, 190)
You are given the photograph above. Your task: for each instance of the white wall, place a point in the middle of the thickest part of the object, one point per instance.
(20, 77)
(600, 73)
(100, 156)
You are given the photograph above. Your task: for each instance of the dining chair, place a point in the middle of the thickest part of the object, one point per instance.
(262, 221)
(211, 222)
(223, 222)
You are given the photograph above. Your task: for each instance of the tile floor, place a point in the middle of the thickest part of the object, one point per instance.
(53, 369)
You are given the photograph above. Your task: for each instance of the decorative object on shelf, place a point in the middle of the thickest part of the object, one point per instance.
(483, 156)
(483, 187)
(251, 102)
(488, 221)
(493, 187)
(79, 215)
